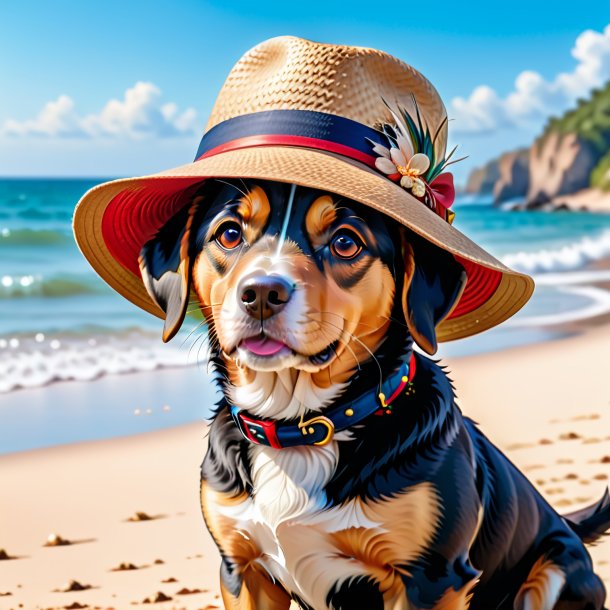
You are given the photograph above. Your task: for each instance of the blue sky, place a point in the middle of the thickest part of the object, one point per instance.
(501, 71)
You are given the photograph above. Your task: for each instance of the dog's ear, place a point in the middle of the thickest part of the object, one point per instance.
(433, 283)
(165, 264)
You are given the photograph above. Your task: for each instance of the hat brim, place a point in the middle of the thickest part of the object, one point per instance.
(112, 222)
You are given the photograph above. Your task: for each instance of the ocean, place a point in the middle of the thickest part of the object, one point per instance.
(59, 322)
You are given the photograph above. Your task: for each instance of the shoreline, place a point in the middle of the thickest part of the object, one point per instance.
(586, 200)
(110, 407)
(545, 405)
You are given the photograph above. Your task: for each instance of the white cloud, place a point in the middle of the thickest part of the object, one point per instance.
(533, 98)
(140, 113)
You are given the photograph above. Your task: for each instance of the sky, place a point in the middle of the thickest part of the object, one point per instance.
(125, 88)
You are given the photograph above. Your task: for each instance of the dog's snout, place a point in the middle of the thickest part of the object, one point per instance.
(264, 295)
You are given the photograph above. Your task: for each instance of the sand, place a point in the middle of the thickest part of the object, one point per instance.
(590, 200)
(546, 405)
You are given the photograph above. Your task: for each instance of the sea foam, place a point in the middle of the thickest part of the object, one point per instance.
(34, 360)
(571, 256)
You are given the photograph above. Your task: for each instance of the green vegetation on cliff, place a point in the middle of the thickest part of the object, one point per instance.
(590, 120)
(600, 176)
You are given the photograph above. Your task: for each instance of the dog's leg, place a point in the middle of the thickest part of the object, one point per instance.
(563, 580)
(339, 576)
(358, 592)
(250, 588)
(442, 584)
(245, 585)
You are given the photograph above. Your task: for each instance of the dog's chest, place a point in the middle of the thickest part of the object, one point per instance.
(289, 484)
(288, 491)
(308, 545)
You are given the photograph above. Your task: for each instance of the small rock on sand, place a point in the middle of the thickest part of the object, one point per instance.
(5, 594)
(75, 606)
(605, 459)
(140, 516)
(569, 436)
(56, 540)
(158, 561)
(74, 585)
(170, 579)
(187, 591)
(4, 555)
(124, 566)
(159, 596)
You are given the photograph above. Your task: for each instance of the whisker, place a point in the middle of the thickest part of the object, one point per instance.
(357, 339)
(343, 342)
(245, 194)
(192, 331)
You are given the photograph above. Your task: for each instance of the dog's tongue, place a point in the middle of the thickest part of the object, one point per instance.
(263, 346)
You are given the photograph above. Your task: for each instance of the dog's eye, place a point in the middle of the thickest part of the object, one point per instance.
(345, 245)
(229, 235)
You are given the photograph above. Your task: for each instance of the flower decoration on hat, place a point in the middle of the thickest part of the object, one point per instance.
(410, 160)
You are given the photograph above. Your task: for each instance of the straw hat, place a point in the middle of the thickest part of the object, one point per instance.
(350, 120)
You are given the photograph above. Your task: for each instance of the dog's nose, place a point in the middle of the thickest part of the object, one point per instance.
(264, 295)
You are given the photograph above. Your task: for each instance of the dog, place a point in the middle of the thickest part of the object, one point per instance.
(340, 473)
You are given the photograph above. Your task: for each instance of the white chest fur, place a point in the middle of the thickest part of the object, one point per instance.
(310, 547)
(290, 483)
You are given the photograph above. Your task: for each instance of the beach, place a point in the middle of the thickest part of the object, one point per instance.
(546, 405)
(103, 427)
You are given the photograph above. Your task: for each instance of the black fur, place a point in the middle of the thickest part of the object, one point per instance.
(360, 592)
(165, 280)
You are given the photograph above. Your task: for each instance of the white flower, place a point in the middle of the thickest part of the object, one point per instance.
(401, 159)
(404, 161)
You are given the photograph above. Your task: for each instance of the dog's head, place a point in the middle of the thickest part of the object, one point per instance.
(290, 277)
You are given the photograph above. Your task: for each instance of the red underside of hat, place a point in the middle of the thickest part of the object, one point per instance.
(134, 216)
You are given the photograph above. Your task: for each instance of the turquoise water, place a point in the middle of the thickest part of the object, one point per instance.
(59, 321)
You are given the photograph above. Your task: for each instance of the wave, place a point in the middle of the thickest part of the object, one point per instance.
(31, 286)
(29, 361)
(599, 304)
(31, 237)
(571, 256)
(41, 215)
(570, 278)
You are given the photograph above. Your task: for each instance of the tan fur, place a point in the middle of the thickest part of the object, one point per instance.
(257, 593)
(456, 600)
(254, 209)
(233, 543)
(320, 216)
(542, 588)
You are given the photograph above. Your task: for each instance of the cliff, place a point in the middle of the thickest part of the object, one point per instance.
(559, 165)
(513, 180)
(482, 180)
(571, 155)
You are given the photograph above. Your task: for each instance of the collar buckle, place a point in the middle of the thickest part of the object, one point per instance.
(307, 427)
